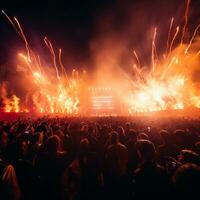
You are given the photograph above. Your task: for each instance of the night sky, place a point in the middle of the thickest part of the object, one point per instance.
(78, 26)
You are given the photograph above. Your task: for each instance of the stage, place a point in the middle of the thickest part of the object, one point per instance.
(193, 113)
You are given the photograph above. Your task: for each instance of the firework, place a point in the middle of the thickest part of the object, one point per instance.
(169, 84)
(53, 93)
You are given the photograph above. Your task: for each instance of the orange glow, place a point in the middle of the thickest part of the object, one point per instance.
(53, 94)
(167, 83)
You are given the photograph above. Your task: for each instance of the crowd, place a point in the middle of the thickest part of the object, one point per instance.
(99, 158)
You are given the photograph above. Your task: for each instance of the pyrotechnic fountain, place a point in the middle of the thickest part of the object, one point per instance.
(169, 82)
(56, 92)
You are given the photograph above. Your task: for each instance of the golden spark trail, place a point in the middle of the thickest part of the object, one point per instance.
(19, 30)
(198, 53)
(26, 61)
(61, 64)
(193, 36)
(60, 60)
(39, 63)
(136, 56)
(135, 68)
(186, 19)
(175, 35)
(168, 66)
(49, 45)
(10, 20)
(24, 38)
(153, 50)
(169, 34)
(36, 63)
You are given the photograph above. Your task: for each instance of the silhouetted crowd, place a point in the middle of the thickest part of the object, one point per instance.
(100, 158)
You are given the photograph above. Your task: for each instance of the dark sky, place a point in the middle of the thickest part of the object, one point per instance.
(74, 25)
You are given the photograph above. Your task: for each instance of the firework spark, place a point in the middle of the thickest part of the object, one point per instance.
(53, 95)
(168, 83)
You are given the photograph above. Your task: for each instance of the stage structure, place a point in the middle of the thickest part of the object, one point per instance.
(102, 101)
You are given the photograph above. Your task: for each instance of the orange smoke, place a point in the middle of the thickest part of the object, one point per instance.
(53, 94)
(170, 82)
(10, 104)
